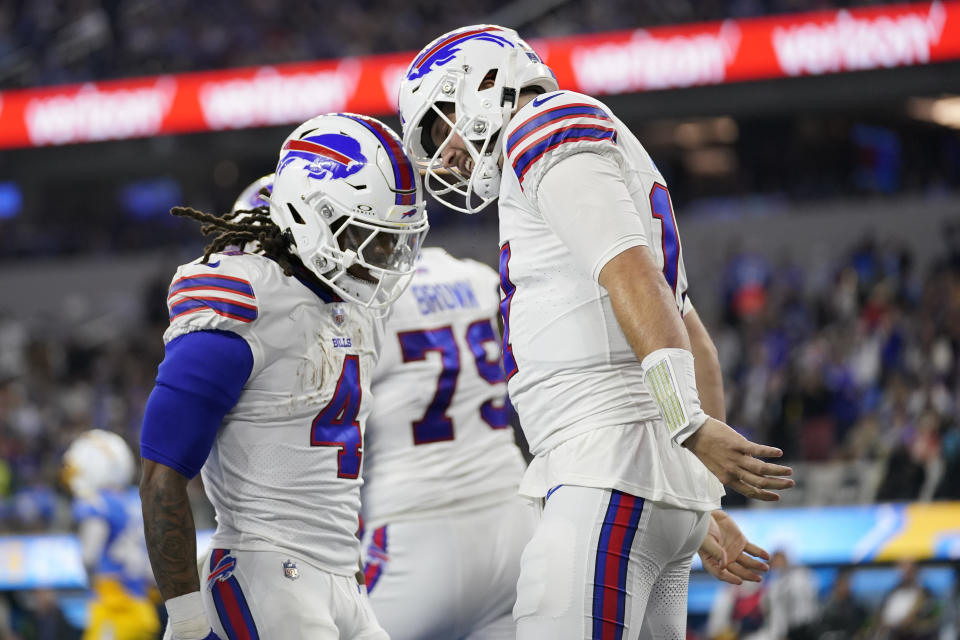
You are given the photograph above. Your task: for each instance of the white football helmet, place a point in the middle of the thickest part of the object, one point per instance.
(450, 71)
(97, 460)
(352, 203)
(250, 197)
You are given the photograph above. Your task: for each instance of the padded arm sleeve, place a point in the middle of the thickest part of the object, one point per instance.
(198, 382)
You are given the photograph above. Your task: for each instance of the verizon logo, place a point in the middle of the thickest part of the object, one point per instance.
(92, 114)
(848, 43)
(648, 62)
(273, 98)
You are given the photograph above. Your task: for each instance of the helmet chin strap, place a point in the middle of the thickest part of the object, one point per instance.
(486, 182)
(487, 174)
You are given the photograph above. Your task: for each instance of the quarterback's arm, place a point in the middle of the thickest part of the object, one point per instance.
(602, 228)
(707, 367)
(198, 382)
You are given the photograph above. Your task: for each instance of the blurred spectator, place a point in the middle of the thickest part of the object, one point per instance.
(736, 612)
(6, 631)
(790, 601)
(909, 611)
(842, 616)
(42, 618)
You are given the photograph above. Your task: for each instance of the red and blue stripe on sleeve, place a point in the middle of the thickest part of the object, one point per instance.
(226, 296)
(548, 129)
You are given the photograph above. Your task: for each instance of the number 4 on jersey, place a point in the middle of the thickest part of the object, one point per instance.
(337, 426)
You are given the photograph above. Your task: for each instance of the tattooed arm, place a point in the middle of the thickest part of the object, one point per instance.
(181, 420)
(169, 529)
(172, 545)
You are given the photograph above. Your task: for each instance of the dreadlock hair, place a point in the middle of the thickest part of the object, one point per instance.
(240, 227)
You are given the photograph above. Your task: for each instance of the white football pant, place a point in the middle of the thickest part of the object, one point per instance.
(262, 595)
(606, 565)
(451, 577)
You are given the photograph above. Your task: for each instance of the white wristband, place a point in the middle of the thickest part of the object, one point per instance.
(188, 620)
(669, 377)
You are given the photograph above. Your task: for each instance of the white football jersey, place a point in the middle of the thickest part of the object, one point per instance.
(284, 471)
(569, 366)
(438, 437)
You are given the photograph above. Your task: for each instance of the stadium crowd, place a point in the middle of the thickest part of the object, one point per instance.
(53, 41)
(857, 361)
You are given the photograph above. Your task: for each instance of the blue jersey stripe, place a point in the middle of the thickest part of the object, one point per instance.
(237, 285)
(221, 307)
(568, 134)
(559, 112)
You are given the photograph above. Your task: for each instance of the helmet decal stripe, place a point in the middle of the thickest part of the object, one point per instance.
(523, 162)
(447, 41)
(442, 52)
(403, 172)
(319, 149)
(549, 116)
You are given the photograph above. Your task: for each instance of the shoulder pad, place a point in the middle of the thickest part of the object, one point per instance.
(218, 295)
(554, 125)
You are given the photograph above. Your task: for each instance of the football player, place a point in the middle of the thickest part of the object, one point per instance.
(599, 341)
(98, 469)
(444, 524)
(265, 389)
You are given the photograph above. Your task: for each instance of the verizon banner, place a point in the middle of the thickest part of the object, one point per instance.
(608, 63)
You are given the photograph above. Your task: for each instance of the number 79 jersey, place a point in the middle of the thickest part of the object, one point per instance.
(284, 470)
(569, 365)
(438, 437)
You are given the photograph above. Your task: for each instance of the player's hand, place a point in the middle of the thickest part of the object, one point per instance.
(733, 459)
(727, 555)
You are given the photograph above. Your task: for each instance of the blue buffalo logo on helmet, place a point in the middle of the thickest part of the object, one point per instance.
(444, 51)
(328, 156)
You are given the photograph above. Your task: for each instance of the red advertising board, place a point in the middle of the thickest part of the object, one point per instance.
(608, 63)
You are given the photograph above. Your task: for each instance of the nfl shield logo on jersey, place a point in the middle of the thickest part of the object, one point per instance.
(339, 314)
(290, 570)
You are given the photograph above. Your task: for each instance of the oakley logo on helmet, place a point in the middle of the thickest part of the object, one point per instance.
(445, 50)
(330, 155)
